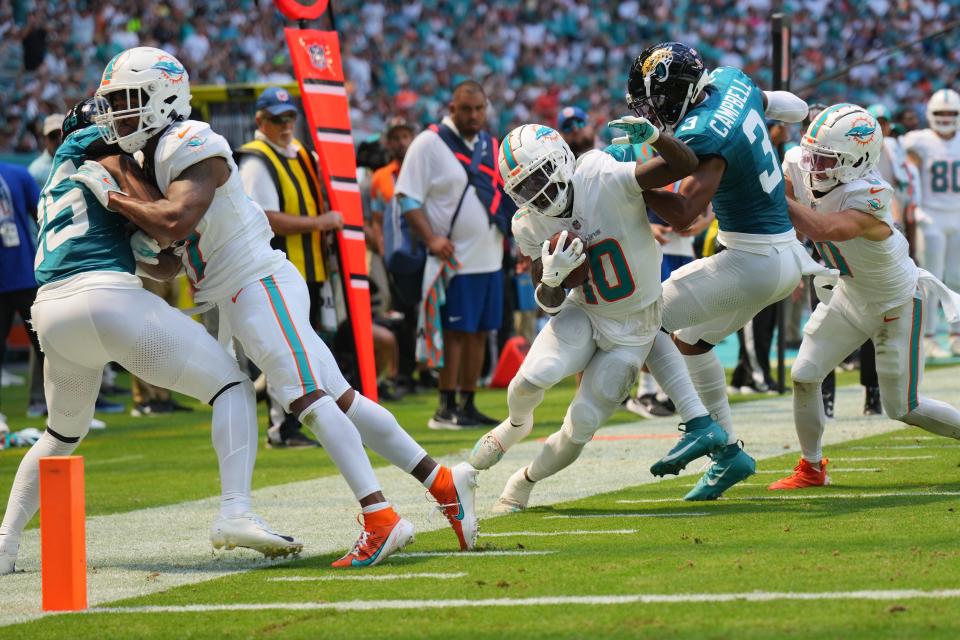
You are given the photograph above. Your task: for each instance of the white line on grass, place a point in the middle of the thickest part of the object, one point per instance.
(373, 578)
(888, 447)
(474, 554)
(881, 459)
(837, 470)
(627, 515)
(911, 438)
(810, 496)
(652, 598)
(578, 532)
(94, 463)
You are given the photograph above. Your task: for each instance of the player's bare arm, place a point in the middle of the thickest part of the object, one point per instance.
(174, 217)
(676, 161)
(681, 209)
(283, 224)
(836, 226)
(548, 296)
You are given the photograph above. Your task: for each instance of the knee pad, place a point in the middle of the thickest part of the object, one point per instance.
(612, 382)
(584, 420)
(520, 388)
(806, 372)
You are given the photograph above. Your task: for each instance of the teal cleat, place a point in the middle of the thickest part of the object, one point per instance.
(701, 436)
(729, 467)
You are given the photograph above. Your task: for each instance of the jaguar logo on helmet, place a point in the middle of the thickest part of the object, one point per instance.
(658, 64)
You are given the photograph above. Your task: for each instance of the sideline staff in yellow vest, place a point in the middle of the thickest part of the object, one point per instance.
(280, 175)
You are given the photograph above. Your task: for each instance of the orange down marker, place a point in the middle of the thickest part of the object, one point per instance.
(63, 550)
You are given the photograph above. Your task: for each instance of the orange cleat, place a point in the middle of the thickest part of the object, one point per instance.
(454, 490)
(804, 475)
(384, 533)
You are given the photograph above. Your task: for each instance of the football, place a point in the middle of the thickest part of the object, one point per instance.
(579, 275)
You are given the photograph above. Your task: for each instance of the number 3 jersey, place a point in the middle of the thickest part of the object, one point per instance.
(729, 122)
(872, 272)
(230, 247)
(939, 170)
(610, 217)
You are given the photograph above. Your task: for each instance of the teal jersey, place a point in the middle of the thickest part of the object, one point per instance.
(77, 234)
(730, 123)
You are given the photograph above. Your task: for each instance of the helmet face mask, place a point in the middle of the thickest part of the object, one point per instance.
(664, 81)
(841, 145)
(537, 165)
(143, 90)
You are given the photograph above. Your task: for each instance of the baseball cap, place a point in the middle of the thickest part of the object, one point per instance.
(398, 122)
(569, 117)
(276, 100)
(52, 123)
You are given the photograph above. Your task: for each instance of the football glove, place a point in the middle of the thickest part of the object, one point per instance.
(639, 130)
(98, 180)
(145, 249)
(558, 265)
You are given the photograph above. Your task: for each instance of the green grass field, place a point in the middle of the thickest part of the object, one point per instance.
(887, 525)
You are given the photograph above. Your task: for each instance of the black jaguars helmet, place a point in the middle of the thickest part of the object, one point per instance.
(663, 81)
(80, 117)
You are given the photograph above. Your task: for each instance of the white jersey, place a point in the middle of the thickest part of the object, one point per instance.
(939, 170)
(871, 272)
(893, 168)
(610, 216)
(230, 247)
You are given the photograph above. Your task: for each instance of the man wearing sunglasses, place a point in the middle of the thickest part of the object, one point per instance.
(576, 130)
(280, 175)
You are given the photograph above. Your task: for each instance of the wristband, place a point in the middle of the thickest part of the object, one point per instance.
(548, 309)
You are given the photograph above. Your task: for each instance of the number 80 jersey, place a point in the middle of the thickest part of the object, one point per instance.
(939, 171)
(730, 123)
(610, 217)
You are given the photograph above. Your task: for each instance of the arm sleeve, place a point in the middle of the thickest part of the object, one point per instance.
(785, 106)
(258, 183)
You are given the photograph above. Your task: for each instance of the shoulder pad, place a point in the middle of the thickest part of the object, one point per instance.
(183, 145)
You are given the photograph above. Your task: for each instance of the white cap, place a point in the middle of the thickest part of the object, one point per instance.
(52, 123)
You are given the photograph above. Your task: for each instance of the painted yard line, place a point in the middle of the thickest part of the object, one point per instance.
(640, 598)
(95, 463)
(811, 496)
(886, 447)
(373, 578)
(578, 532)
(124, 563)
(838, 470)
(627, 515)
(470, 554)
(882, 458)
(911, 438)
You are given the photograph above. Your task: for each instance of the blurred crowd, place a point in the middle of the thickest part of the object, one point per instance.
(402, 57)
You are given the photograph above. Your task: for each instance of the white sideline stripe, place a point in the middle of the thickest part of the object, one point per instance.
(374, 578)
(471, 554)
(887, 447)
(640, 598)
(912, 438)
(578, 532)
(880, 458)
(627, 515)
(810, 496)
(96, 463)
(838, 470)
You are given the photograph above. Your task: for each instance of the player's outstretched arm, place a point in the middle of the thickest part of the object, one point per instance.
(675, 159)
(784, 106)
(681, 209)
(836, 226)
(189, 196)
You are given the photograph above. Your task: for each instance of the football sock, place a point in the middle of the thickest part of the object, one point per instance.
(508, 434)
(372, 508)
(666, 364)
(522, 398)
(936, 417)
(428, 481)
(380, 431)
(558, 452)
(809, 418)
(235, 441)
(710, 381)
(342, 442)
(25, 493)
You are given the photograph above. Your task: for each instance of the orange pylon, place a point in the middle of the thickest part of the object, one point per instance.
(63, 550)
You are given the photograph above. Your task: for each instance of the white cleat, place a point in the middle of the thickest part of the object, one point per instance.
(465, 482)
(933, 351)
(250, 532)
(490, 448)
(516, 495)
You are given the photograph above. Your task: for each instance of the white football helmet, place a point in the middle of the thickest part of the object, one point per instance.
(536, 165)
(943, 111)
(143, 90)
(841, 145)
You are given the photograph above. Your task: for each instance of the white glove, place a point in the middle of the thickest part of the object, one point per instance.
(639, 130)
(558, 265)
(98, 180)
(145, 249)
